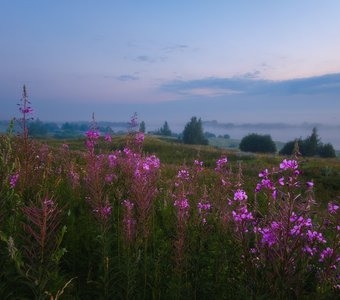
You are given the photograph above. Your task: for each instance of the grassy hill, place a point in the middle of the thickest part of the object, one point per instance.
(324, 172)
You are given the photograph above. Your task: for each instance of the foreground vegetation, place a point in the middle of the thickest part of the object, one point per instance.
(136, 218)
(105, 218)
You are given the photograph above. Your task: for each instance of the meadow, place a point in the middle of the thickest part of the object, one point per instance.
(138, 217)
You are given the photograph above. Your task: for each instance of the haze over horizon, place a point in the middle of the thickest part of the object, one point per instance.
(231, 61)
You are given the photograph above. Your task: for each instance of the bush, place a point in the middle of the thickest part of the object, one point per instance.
(209, 135)
(258, 143)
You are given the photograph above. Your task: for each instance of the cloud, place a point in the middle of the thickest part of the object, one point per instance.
(174, 48)
(150, 59)
(250, 84)
(252, 75)
(126, 77)
(144, 58)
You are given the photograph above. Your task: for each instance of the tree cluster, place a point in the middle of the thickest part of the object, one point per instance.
(311, 146)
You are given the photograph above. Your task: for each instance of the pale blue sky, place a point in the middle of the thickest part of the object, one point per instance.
(239, 61)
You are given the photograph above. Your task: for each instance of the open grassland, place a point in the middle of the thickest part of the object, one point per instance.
(144, 218)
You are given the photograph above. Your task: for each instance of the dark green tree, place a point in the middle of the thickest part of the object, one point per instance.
(288, 148)
(310, 145)
(326, 150)
(142, 127)
(193, 133)
(37, 128)
(165, 129)
(258, 143)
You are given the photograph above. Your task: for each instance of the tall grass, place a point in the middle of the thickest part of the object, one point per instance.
(114, 222)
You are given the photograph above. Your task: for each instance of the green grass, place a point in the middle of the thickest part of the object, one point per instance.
(324, 172)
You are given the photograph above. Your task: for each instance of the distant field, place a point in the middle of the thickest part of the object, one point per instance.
(325, 172)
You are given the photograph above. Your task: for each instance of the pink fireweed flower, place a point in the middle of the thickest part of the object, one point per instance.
(314, 236)
(48, 203)
(139, 137)
(264, 173)
(133, 121)
(274, 194)
(282, 181)
(268, 236)
(310, 184)
(92, 137)
(199, 165)
(326, 253)
(221, 163)
(74, 178)
(203, 207)
(182, 205)
(240, 195)
(275, 225)
(65, 146)
(129, 222)
(266, 184)
(242, 215)
(112, 160)
(108, 138)
(27, 110)
(332, 208)
(13, 179)
(299, 224)
(128, 152)
(152, 161)
(289, 164)
(93, 134)
(128, 204)
(203, 210)
(243, 218)
(109, 178)
(103, 212)
(183, 174)
(146, 166)
(309, 250)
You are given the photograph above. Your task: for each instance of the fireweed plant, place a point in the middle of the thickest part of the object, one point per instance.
(141, 229)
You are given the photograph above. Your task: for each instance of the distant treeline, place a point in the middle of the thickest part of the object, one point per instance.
(38, 128)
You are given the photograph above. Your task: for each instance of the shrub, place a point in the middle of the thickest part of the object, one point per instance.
(258, 143)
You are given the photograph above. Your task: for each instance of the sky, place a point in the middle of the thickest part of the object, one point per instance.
(232, 61)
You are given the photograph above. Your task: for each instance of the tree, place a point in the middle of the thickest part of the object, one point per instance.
(142, 127)
(193, 133)
(165, 129)
(37, 128)
(288, 148)
(326, 150)
(258, 143)
(310, 144)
